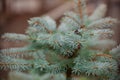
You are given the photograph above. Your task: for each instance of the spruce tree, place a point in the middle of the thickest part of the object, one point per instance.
(80, 45)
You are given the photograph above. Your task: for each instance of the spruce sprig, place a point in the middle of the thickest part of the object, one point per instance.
(81, 45)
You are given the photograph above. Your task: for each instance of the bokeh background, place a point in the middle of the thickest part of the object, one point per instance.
(15, 13)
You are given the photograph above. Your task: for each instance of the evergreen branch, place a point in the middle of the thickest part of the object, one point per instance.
(60, 43)
(68, 25)
(16, 37)
(99, 12)
(95, 68)
(102, 45)
(115, 52)
(75, 17)
(104, 55)
(103, 34)
(103, 23)
(81, 9)
(10, 63)
(2, 63)
(79, 46)
(101, 68)
(15, 50)
(18, 52)
(57, 68)
(41, 64)
(14, 66)
(43, 24)
(70, 22)
(24, 76)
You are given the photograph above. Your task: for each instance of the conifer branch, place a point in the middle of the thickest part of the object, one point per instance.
(43, 24)
(102, 45)
(103, 34)
(80, 46)
(106, 23)
(115, 52)
(99, 12)
(14, 66)
(18, 52)
(15, 37)
(81, 10)
(70, 22)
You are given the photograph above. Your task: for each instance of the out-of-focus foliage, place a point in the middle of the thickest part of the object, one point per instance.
(79, 46)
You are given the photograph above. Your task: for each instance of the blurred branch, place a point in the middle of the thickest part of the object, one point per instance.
(58, 12)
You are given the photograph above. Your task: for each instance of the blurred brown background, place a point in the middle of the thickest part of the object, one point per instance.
(15, 13)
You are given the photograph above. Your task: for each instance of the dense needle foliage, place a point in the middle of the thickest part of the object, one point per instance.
(80, 45)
